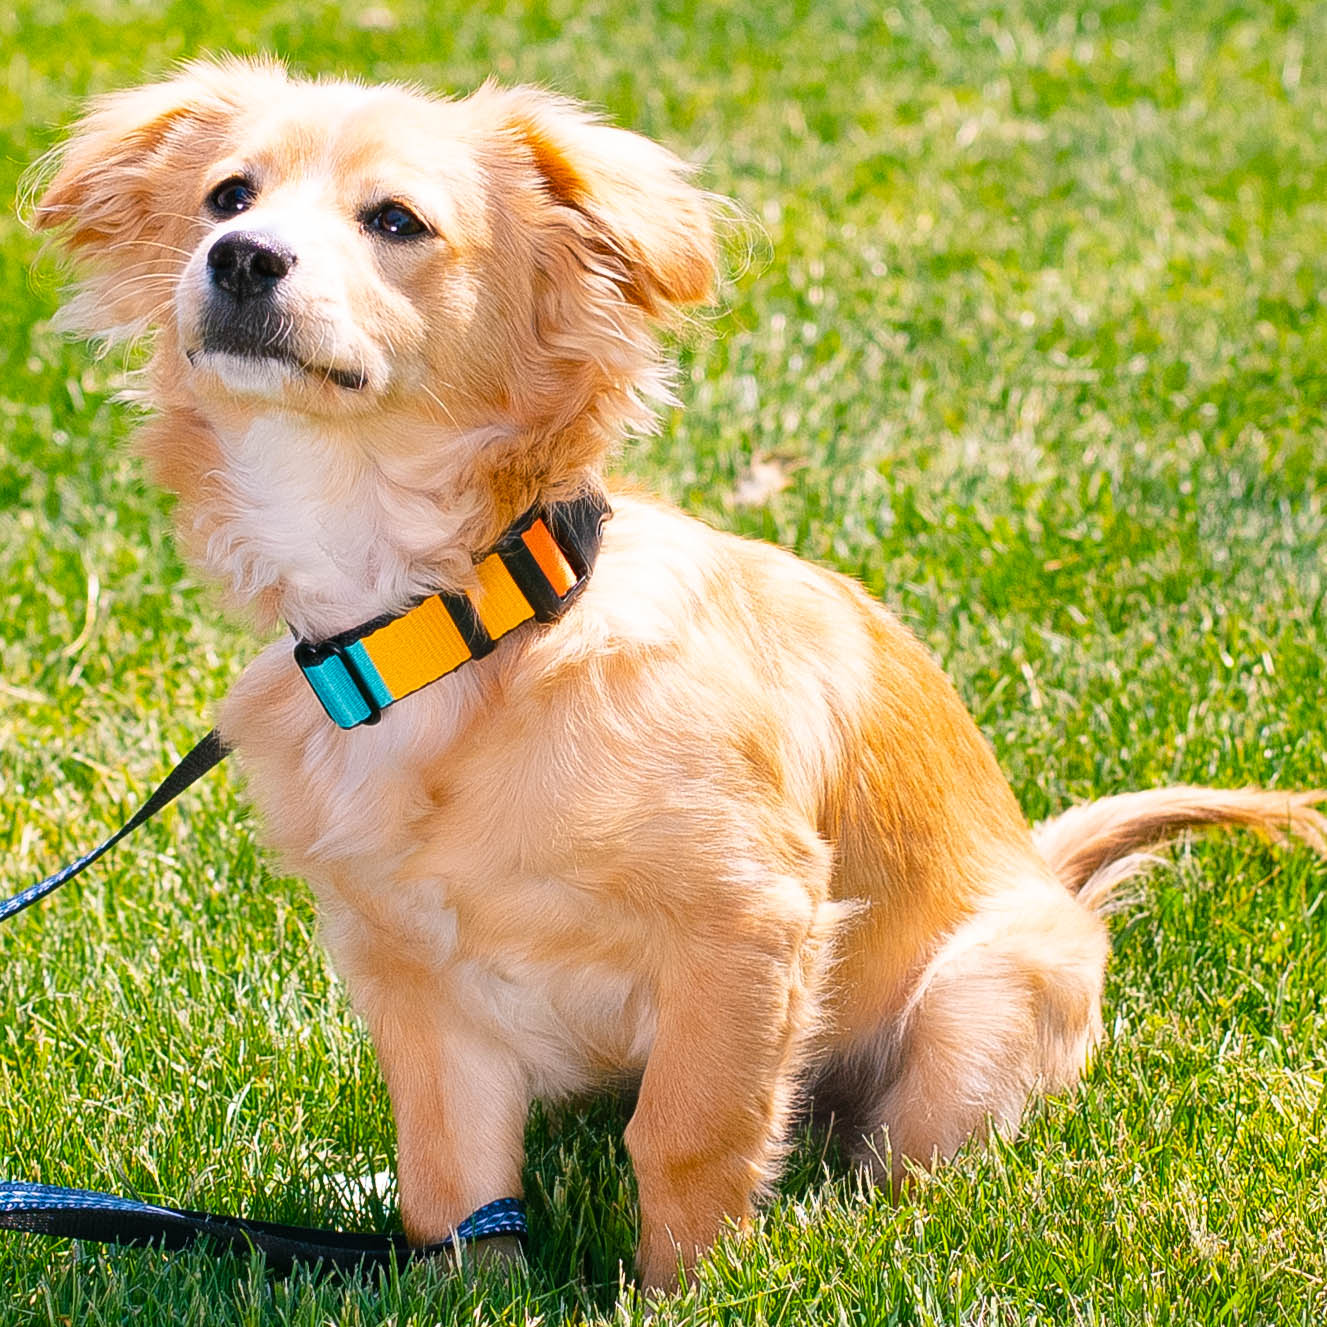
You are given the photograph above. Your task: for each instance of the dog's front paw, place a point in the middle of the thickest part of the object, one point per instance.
(495, 1251)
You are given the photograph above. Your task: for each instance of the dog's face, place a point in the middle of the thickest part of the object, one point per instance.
(334, 249)
(332, 268)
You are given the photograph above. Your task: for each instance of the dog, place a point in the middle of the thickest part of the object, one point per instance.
(718, 826)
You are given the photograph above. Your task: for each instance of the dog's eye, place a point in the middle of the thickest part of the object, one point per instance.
(232, 196)
(395, 220)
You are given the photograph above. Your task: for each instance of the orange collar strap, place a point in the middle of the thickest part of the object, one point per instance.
(535, 570)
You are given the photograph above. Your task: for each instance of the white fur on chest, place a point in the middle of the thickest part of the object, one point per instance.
(448, 893)
(461, 871)
(574, 1022)
(311, 515)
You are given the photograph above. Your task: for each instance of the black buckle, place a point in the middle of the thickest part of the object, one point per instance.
(577, 535)
(533, 584)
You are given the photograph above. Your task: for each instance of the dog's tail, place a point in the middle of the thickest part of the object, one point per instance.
(1096, 847)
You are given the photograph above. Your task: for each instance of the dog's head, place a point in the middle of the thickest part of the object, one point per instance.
(332, 249)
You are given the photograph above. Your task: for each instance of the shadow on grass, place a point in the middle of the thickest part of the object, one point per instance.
(582, 1203)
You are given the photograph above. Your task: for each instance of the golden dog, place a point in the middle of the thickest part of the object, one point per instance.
(724, 827)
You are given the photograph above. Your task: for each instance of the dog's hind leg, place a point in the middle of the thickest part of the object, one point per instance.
(1009, 1005)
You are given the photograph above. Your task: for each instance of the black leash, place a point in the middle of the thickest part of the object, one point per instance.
(207, 755)
(42, 1209)
(107, 1219)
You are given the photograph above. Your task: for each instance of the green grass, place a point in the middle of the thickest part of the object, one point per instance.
(1037, 335)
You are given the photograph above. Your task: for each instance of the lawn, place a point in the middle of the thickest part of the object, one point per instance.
(1031, 339)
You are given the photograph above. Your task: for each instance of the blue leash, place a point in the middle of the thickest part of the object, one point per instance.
(207, 755)
(107, 1219)
(102, 1217)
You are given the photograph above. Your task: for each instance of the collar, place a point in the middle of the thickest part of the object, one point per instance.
(535, 570)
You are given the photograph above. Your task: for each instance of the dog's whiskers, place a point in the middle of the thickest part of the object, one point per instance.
(440, 403)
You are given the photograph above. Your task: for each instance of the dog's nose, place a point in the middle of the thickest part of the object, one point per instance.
(247, 265)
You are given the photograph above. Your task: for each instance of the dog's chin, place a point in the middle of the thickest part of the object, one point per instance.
(276, 378)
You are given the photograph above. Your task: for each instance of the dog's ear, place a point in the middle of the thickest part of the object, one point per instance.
(642, 215)
(121, 199)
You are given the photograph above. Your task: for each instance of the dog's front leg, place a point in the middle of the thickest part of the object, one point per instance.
(714, 1098)
(460, 1100)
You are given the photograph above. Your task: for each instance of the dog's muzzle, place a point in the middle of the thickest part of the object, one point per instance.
(244, 314)
(248, 266)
